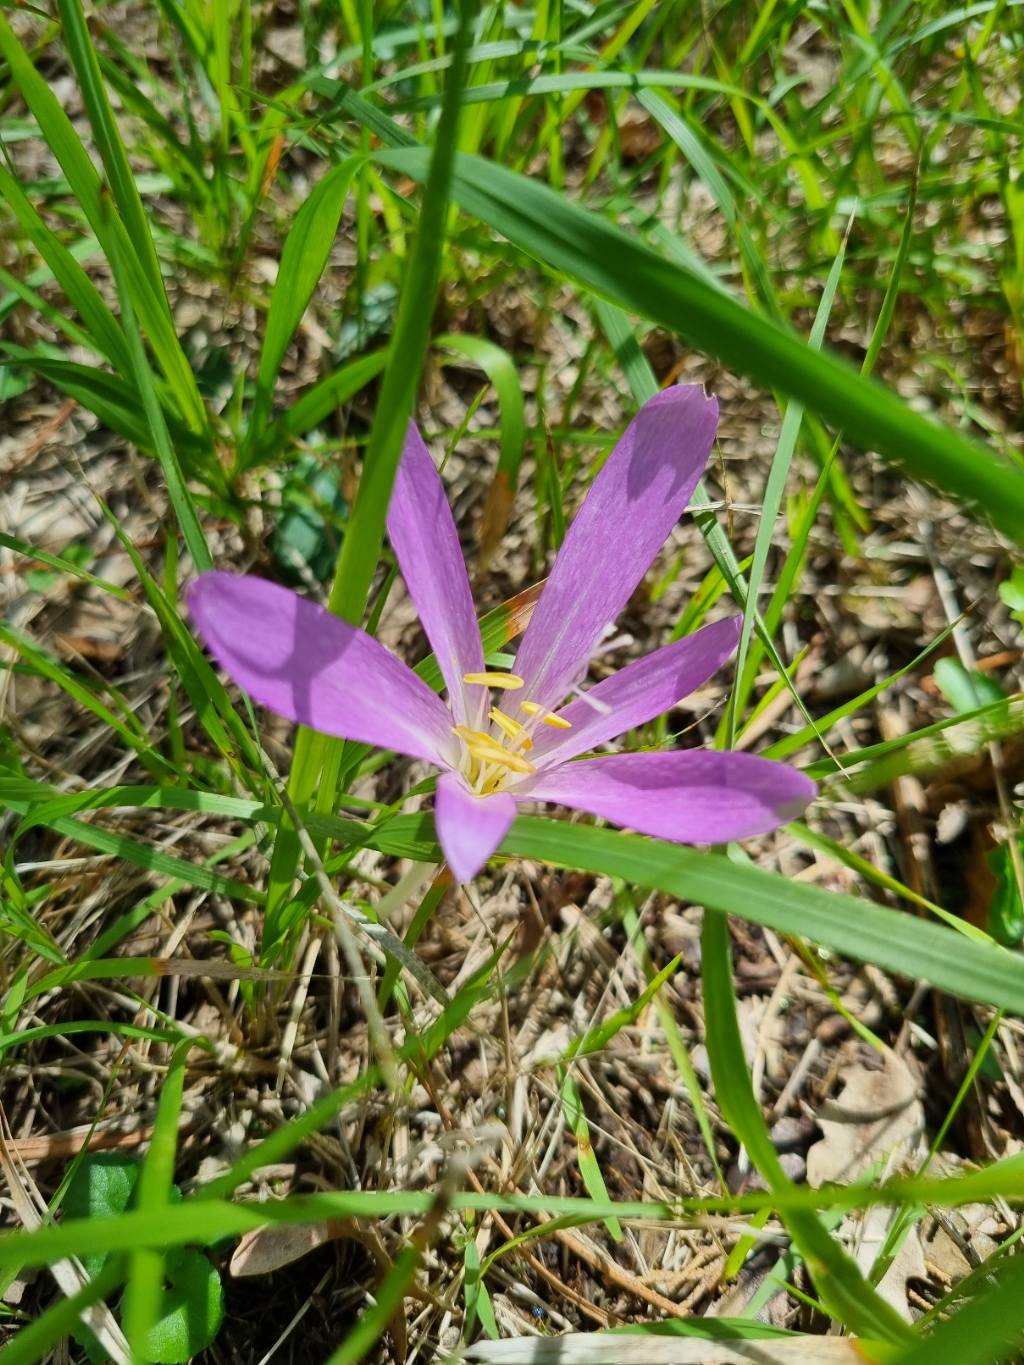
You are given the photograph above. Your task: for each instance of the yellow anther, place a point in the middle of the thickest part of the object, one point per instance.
(510, 727)
(472, 736)
(486, 749)
(490, 751)
(510, 681)
(533, 708)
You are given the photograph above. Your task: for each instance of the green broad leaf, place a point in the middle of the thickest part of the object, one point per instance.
(311, 521)
(1012, 593)
(1005, 909)
(103, 1185)
(966, 689)
(75, 556)
(191, 1311)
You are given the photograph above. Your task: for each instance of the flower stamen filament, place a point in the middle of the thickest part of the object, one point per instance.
(511, 728)
(489, 760)
(534, 708)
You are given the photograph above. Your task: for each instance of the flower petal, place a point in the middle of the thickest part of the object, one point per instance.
(469, 827)
(422, 531)
(695, 796)
(637, 693)
(308, 665)
(626, 517)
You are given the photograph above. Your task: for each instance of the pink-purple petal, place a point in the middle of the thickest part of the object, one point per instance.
(307, 665)
(426, 544)
(693, 796)
(469, 827)
(633, 504)
(637, 693)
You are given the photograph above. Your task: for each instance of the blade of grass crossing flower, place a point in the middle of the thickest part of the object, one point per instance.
(772, 501)
(316, 762)
(610, 262)
(144, 1288)
(854, 927)
(843, 1289)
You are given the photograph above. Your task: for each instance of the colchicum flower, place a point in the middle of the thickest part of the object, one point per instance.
(505, 738)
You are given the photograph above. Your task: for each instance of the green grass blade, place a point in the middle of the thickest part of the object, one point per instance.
(303, 259)
(986, 1331)
(316, 762)
(81, 293)
(177, 491)
(144, 1289)
(150, 301)
(842, 1287)
(773, 494)
(851, 926)
(108, 139)
(315, 405)
(607, 260)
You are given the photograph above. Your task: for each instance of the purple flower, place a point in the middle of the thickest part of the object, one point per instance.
(495, 752)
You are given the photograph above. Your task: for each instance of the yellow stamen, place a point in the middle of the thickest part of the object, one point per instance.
(533, 708)
(472, 736)
(487, 750)
(511, 681)
(492, 752)
(510, 727)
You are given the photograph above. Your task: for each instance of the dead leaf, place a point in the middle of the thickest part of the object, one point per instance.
(877, 1118)
(877, 1121)
(264, 1250)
